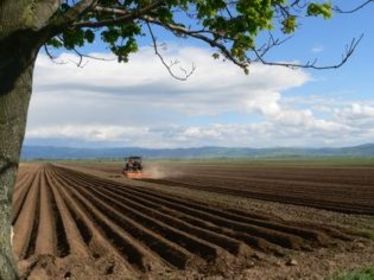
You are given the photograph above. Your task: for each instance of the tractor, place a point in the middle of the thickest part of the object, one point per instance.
(133, 168)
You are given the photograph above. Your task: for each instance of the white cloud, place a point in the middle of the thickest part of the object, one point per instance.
(215, 87)
(139, 104)
(88, 132)
(356, 111)
(318, 49)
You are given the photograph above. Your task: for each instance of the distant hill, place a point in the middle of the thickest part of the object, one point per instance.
(49, 152)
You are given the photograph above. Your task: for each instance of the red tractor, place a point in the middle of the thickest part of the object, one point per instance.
(133, 168)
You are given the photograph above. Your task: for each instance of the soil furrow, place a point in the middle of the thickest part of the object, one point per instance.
(26, 224)
(231, 245)
(19, 200)
(73, 242)
(103, 239)
(60, 224)
(109, 224)
(311, 232)
(304, 233)
(70, 221)
(199, 224)
(46, 238)
(323, 203)
(194, 246)
(228, 244)
(279, 238)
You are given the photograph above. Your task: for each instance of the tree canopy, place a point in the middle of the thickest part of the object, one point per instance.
(230, 27)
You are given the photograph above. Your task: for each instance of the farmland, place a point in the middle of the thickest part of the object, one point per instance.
(211, 219)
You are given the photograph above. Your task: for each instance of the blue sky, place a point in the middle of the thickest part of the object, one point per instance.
(139, 104)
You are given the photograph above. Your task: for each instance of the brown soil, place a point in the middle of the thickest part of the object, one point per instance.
(78, 223)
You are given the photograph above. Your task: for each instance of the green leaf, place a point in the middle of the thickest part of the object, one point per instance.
(289, 24)
(324, 10)
(89, 35)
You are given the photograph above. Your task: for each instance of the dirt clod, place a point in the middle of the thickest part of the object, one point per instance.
(292, 262)
(67, 275)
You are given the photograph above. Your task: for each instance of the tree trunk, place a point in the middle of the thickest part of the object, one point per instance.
(17, 57)
(24, 27)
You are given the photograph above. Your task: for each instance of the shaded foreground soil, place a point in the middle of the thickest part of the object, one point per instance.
(71, 224)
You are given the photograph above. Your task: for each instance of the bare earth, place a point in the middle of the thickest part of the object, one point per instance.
(192, 221)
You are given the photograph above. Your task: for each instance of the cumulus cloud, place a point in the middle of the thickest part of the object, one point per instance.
(356, 111)
(139, 104)
(215, 86)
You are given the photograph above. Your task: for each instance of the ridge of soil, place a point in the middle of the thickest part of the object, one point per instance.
(79, 223)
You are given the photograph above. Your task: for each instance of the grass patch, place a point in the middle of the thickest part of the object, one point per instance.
(364, 274)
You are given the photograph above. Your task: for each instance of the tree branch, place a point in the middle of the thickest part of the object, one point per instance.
(339, 10)
(75, 12)
(271, 43)
(169, 66)
(312, 65)
(214, 38)
(80, 55)
(51, 56)
(125, 15)
(214, 43)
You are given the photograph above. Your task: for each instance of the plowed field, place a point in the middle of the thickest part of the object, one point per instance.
(343, 189)
(69, 223)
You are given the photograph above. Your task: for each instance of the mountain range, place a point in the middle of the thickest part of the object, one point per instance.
(52, 152)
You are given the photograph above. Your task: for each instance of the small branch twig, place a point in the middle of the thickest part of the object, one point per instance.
(83, 55)
(312, 65)
(169, 67)
(197, 35)
(51, 56)
(77, 52)
(339, 10)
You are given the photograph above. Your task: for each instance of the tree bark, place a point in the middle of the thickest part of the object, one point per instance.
(24, 27)
(17, 57)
